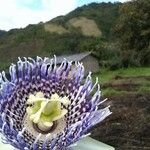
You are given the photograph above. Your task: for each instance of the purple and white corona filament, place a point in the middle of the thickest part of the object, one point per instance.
(47, 107)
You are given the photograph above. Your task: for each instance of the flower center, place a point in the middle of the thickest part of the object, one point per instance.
(44, 112)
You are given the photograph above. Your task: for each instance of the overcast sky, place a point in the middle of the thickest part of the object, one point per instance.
(20, 13)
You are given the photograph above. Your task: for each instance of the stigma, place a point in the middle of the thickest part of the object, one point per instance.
(44, 112)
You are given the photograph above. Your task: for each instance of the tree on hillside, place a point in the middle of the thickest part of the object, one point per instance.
(133, 31)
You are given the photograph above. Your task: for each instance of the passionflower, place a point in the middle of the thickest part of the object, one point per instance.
(48, 107)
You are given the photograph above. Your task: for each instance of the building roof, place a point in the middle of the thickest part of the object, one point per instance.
(74, 57)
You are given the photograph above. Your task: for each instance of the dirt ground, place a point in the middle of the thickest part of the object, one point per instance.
(128, 128)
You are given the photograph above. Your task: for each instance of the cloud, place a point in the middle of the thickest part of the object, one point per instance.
(14, 14)
(20, 13)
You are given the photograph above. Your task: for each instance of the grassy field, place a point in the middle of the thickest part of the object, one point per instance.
(106, 75)
(124, 80)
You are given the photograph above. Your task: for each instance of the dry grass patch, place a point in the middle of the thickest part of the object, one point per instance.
(54, 28)
(87, 26)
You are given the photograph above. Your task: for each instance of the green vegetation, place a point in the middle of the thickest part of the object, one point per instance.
(106, 75)
(111, 92)
(133, 32)
(2, 32)
(35, 40)
(123, 39)
(119, 81)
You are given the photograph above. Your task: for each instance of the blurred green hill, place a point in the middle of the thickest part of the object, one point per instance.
(61, 35)
(93, 27)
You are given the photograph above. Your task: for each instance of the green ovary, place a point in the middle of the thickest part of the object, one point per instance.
(44, 111)
(52, 108)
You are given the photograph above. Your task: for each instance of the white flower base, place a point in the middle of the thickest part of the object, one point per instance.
(90, 144)
(84, 144)
(5, 146)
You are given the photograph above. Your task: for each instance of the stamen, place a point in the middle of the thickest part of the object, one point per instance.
(35, 142)
(45, 112)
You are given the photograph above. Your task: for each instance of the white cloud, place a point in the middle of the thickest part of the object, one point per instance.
(16, 14)
(13, 15)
